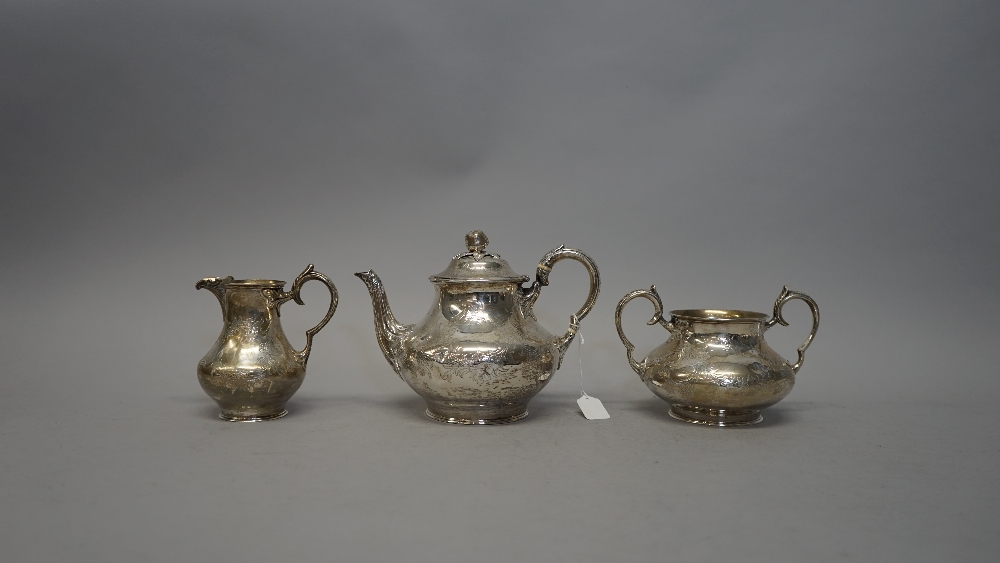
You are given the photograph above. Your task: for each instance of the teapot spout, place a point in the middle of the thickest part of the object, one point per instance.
(218, 288)
(388, 331)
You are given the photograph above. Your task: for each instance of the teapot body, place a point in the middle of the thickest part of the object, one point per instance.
(479, 355)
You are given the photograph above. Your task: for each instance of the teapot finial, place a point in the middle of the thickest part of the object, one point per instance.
(476, 241)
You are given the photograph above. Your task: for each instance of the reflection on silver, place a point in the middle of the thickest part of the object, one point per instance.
(716, 368)
(479, 355)
(252, 370)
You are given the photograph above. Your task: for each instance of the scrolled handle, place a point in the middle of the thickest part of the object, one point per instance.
(562, 253)
(542, 279)
(654, 298)
(786, 296)
(307, 275)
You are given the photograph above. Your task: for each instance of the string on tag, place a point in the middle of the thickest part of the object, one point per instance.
(591, 407)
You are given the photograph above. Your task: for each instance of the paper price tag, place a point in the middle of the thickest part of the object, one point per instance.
(592, 408)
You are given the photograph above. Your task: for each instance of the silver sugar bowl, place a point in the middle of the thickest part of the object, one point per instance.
(716, 368)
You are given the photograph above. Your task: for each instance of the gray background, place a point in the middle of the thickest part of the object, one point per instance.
(718, 150)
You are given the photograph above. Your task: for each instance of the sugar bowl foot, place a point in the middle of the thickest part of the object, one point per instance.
(715, 417)
(244, 417)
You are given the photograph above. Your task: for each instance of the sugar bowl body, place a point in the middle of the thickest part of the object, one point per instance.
(716, 368)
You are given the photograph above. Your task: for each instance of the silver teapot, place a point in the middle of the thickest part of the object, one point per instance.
(716, 368)
(479, 355)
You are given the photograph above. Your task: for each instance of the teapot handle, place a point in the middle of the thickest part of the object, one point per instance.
(542, 279)
(653, 297)
(311, 274)
(786, 296)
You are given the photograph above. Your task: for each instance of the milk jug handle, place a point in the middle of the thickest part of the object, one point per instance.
(786, 296)
(307, 275)
(654, 298)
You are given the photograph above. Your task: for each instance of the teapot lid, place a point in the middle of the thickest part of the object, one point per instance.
(477, 265)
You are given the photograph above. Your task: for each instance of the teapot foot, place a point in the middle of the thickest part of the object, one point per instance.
(715, 417)
(472, 418)
(229, 417)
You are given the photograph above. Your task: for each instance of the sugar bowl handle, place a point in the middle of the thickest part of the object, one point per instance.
(654, 298)
(307, 275)
(786, 296)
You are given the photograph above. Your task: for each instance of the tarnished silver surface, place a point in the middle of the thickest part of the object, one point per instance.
(252, 370)
(716, 368)
(479, 355)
